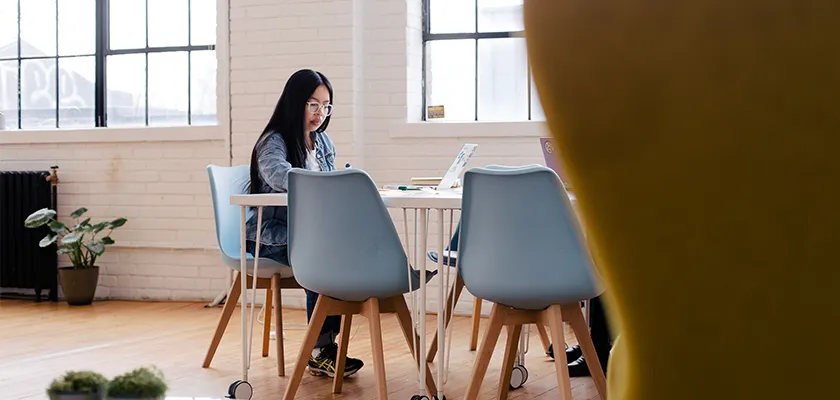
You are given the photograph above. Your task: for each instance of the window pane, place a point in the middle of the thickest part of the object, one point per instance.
(76, 27)
(502, 80)
(537, 113)
(76, 92)
(450, 78)
(168, 88)
(451, 16)
(37, 28)
(37, 88)
(9, 93)
(127, 24)
(126, 89)
(203, 87)
(203, 22)
(168, 20)
(500, 16)
(8, 30)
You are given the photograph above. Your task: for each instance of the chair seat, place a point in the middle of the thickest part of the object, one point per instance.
(522, 299)
(363, 290)
(267, 268)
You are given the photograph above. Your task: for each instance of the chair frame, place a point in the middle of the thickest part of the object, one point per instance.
(372, 310)
(553, 317)
(454, 295)
(274, 305)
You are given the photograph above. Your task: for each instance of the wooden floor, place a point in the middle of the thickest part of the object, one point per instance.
(39, 341)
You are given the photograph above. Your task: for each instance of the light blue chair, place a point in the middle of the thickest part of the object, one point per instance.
(450, 258)
(522, 249)
(343, 245)
(271, 276)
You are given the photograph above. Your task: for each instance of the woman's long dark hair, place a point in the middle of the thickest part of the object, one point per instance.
(288, 119)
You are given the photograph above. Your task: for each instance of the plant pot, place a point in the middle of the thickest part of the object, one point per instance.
(75, 396)
(78, 284)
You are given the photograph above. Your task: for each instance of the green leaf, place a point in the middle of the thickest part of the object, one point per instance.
(86, 222)
(96, 247)
(39, 218)
(58, 227)
(64, 250)
(72, 238)
(48, 240)
(107, 240)
(78, 213)
(118, 223)
(100, 226)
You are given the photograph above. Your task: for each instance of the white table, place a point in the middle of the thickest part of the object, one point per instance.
(420, 200)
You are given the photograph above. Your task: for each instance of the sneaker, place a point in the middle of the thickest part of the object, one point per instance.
(324, 364)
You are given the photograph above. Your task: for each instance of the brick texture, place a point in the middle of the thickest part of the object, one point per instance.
(371, 51)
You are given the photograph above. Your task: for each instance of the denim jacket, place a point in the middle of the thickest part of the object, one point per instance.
(274, 178)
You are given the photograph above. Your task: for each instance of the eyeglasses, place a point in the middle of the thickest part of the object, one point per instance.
(315, 107)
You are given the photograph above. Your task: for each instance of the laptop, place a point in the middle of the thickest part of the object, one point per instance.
(448, 180)
(551, 160)
(457, 166)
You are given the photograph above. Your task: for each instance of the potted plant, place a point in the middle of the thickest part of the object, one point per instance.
(83, 244)
(139, 384)
(78, 385)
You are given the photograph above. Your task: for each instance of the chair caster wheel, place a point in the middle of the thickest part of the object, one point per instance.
(419, 397)
(240, 390)
(436, 398)
(518, 377)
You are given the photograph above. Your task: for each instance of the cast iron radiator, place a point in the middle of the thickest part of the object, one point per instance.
(23, 264)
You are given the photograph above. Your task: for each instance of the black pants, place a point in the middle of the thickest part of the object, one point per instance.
(599, 328)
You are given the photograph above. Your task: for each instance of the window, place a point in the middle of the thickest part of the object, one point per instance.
(97, 63)
(476, 63)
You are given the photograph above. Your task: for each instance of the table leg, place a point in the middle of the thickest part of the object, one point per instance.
(243, 296)
(253, 303)
(420, 250)
(441, 316)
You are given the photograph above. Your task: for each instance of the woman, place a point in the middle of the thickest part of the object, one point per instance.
(296, 137)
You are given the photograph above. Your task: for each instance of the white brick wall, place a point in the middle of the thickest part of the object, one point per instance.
(167, 248)
(370, 50)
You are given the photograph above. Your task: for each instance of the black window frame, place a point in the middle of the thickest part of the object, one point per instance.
(101, 53)
(476, 36)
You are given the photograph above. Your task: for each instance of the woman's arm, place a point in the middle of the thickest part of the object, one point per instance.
(329, 150)
(273, 167)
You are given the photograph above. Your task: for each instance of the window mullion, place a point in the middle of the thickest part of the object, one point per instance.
(476, 59)
(102, 23)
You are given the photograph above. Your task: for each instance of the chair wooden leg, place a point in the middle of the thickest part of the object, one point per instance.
(511, 346)
(227, 311)
(375, 324)
(267, 322)
(581, 329)
(404, 318)
(543, 337)
(312, 332)
(343, 341)
(454, 294)
(555, 324)
(278, 325)
(491, 336)
(476, 323)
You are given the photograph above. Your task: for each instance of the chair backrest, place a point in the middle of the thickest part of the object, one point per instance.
(521, 243)
(224, 182)
(342, 240)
